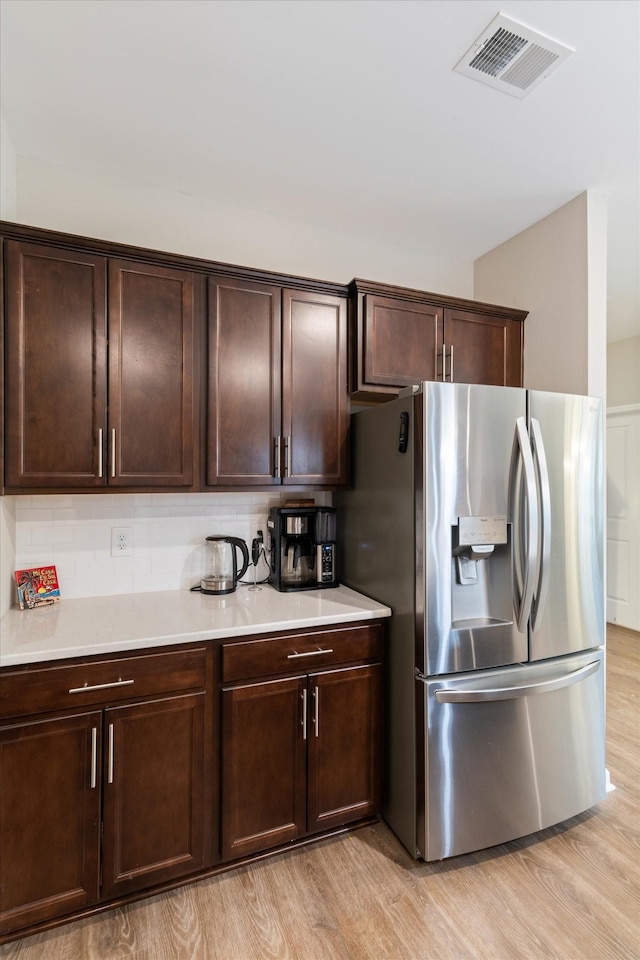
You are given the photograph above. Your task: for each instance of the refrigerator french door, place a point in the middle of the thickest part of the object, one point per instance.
(476, 514)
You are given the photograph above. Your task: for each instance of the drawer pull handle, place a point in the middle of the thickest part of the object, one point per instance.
(101, 686)
(311, 653)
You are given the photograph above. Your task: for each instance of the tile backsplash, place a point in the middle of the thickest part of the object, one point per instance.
(73, 532)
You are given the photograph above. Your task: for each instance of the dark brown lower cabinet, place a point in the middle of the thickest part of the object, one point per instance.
(49, 818)
(344, 761)
(109, 798)
(153, 793)
(299, 755)
(263, 766)
(111, 785)
(152, 787)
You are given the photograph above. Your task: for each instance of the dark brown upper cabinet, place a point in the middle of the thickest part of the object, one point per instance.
(99, 373)
(277, 403)
(398, 337)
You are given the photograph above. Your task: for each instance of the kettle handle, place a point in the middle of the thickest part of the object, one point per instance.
(237, 542)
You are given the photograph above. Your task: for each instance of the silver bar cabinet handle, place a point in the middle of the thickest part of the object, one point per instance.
(101, 686)
(110, 761)
(287, 451)
(277, 455)
(444, 363)
(316, 707)
(304, 714)
(451, 364)
(311, 653)
(113, 452)
(100, 463)
(94, 756)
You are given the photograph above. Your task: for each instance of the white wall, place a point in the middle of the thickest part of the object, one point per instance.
(8, 188)
(623, 372)
(74, 201)
(556, 269)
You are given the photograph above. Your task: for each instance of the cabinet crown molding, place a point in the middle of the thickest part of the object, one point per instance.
(408, 294)
(19, 231)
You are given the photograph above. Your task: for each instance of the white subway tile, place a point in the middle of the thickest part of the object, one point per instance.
(29, 515)
(50, 534)
(23, 535)
(54, 502)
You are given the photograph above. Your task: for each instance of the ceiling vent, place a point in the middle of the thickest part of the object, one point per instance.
(511, 57)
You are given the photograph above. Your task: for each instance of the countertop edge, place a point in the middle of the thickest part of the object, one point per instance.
(22, 653)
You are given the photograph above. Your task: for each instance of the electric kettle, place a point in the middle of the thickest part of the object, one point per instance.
(220, 574)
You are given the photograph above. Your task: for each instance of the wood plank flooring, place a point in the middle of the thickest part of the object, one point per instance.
(572, 892)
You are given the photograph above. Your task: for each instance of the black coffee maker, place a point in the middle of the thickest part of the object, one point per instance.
(302, 548)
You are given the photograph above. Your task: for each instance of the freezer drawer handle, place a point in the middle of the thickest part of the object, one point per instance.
(512, 693)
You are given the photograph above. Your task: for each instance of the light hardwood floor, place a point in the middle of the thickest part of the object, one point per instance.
(572, 892)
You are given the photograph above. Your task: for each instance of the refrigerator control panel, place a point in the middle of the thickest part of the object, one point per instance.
(476, 530)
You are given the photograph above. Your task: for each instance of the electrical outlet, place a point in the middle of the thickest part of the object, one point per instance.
(121, 542)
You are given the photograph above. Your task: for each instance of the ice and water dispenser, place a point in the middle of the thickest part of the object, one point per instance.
(481, 592)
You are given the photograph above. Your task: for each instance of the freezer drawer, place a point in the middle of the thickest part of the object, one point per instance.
(508, 752)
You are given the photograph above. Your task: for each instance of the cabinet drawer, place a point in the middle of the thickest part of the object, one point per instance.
(299, 652)
(39, 689)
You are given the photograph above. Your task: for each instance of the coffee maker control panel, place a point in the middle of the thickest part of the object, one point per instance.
(326, 562)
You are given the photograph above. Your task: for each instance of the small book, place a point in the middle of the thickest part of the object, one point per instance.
(37, 586)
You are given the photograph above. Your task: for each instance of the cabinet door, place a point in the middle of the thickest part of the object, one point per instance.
(56, 366)
(151, 385)
(264, 728)
(49, 818)
(243, 402)
(344, 746)
(486, 349)
(402, 342)
(314, 388)
(154, 774)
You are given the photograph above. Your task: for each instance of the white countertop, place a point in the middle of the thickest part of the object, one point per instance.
(95, 625)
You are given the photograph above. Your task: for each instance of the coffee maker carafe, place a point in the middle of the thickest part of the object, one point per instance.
(302, 548)
(296, 552)
(220, 574)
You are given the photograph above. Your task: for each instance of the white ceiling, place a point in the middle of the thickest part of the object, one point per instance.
(344, 113)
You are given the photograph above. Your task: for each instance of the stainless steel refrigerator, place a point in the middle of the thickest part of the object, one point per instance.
(476, 514)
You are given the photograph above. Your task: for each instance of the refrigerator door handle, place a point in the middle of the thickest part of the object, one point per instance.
(544, 505)
(525, 530)
(517, 692)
